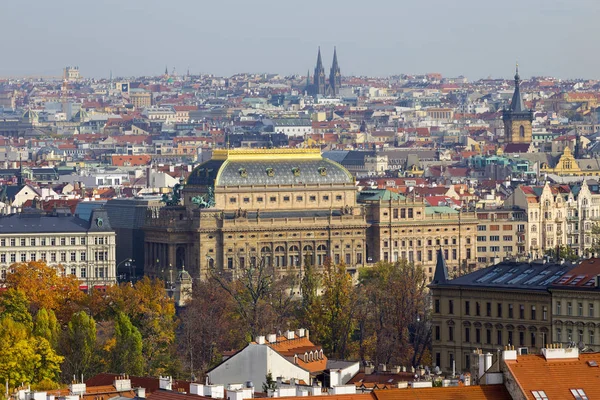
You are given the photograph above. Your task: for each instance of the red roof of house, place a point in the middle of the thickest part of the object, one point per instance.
(556, 377)
(131, 161)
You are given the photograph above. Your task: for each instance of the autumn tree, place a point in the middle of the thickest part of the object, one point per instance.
(78, 346)
(250, 291)
(335, 315)
(396, 319)
(309, 289)
(151, 311)
(45, 288)
(208, 326)
(127, 353)
(46, 326)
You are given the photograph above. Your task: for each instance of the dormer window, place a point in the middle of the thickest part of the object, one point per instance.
(243, 172)
(296, 171)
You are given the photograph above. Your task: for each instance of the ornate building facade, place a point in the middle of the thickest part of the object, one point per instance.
(284, 206)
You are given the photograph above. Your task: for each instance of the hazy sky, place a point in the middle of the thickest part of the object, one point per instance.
(377, 37)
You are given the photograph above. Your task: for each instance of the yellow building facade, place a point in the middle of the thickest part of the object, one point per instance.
(284, 206)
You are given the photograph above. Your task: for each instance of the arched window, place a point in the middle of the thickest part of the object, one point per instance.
(522, 131)
(322, 247)
(308, 248)
(266, 249)
(533, 228)
(279, 257)
(294, 248)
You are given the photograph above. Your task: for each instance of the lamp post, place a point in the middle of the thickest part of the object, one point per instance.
(127, 263)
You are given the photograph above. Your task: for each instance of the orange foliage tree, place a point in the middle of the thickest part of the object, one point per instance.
(46, 287)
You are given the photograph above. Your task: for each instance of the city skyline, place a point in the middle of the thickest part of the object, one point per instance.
(471, 39)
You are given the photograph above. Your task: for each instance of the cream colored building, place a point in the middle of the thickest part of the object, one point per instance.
(504, 304)
(558, 215)
(285, 205)
(404, 228)
(576, 307)
(83, 248)
(140, 98)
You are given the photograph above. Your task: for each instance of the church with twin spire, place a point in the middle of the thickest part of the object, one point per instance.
(322, 85)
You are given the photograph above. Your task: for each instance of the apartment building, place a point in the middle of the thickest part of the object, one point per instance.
(558, 215)
(507, 303)
(501, 234)
(78, 247)
(576, 307)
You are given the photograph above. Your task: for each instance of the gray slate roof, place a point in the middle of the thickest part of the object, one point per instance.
(511, 275)
(37, 223)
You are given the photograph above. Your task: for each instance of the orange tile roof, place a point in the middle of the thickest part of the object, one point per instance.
(298, 346)
(556, 377)
(365, 396)
(495, 392)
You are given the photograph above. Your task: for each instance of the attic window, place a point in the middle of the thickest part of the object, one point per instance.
(539, 395)
(579, 394)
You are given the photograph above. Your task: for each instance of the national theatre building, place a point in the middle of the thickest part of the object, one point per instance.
(285, 206)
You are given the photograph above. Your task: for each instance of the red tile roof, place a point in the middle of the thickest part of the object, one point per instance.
(492, 392)
(556, 377)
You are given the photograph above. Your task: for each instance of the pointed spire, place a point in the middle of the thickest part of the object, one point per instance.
(319, 61)
(166, 71)
(441, 270)
(516, 104)
(334, 65)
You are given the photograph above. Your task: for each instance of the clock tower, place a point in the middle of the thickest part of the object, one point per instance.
(517, 119)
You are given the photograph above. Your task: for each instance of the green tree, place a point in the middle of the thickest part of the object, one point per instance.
(127, 353)
(25, 358)
(78, 345)
(563, 252)
(14, 303)
(151, 311)
(46, 326)
(269, 384)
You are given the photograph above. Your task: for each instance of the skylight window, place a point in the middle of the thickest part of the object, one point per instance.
(537, 277)
(579, 394)
(520, 276)
(552, 278)
(577, 279)
(539, 395)
(564, 279)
